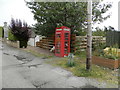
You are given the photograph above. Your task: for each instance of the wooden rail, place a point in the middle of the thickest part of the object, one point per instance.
(77, 42)
(82, 41)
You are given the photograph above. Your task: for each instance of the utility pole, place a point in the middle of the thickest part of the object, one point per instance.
(89, 36)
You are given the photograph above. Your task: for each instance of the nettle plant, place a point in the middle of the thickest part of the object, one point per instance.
(20, 30)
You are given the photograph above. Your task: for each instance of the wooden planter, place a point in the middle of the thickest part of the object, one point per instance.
(109, 63)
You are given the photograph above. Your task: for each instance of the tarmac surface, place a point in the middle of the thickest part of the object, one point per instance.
(21, 69)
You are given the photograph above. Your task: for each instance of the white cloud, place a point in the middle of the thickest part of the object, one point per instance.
(16, 9)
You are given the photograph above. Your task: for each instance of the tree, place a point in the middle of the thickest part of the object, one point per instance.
(109, 28)
(50, 15)
(20, 31)
(99, 32)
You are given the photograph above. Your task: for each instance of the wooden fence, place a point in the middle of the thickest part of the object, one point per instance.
(49, 42)
(112, 38)
(81, 41)
(46, 42)
(77, 42)
(73, 43)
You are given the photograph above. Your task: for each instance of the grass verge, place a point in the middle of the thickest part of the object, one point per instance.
(39, 54)
(97, 72)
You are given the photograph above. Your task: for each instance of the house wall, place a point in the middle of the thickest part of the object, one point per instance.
(32, 41)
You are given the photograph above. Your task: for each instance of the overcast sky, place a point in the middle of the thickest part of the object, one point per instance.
(113, 20)
(18, 10)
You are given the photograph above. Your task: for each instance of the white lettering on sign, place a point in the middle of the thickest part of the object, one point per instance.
(67, 29)
(59, 29)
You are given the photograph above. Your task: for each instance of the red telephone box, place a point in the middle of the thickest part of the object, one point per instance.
(62, 41)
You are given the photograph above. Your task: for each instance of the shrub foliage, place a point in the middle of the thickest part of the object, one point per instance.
(11, 37)
(20, 30)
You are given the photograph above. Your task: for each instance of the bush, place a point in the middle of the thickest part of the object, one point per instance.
(20, 31)
(23, 43)
(111, 52)
(11, 37)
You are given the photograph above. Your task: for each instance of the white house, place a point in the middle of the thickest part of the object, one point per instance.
(34, 38)
(31, 41)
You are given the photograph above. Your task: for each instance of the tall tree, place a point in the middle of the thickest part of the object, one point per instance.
(50, 15)
(99, 32)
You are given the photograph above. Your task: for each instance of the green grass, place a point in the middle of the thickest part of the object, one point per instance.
(0, 31)
(81, 55)
(119, 81)
(99, 73)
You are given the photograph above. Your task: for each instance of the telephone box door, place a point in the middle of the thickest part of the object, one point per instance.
(58, 44)
(62, 41)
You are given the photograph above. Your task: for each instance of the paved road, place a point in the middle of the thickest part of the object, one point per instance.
(23, 70)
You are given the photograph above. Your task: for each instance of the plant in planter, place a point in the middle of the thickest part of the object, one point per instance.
(108, 57)
(111, 52)
(20, 31)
